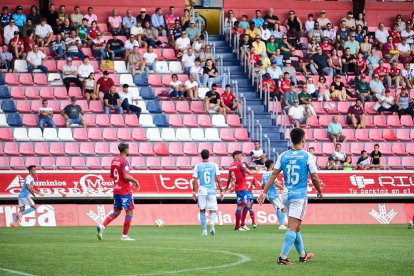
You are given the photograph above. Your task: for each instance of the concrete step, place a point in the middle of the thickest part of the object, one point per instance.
(222, 50)
(216, 38)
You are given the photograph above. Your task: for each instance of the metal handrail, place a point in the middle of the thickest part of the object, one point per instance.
(236, 87)
(267, 140)
(230, 36)
(221, 25)
(213, 47)
(250, 122)
(259, 132)
(267, 98)
(244, 110)
(275, 155)
(228, 76)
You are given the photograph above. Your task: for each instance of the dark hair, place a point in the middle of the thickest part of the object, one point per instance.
(310, 15)
(268, 163)
(31, 167)
(90, 8)
(157, 10)
(29, 32)
(258, 11)
(205, 154)
(174, 75)
(297, 135)
(237, 152)
(85, 57)
(376, 145)
(337, 144)
(363, 151)
(125, 85)
(44, 100)
(311, 148)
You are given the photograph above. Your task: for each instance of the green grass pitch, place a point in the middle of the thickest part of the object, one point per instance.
(181, 250)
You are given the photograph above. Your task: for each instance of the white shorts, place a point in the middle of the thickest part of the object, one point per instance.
(277, 203)
(25, 201)
(295, 208)
(207, 202)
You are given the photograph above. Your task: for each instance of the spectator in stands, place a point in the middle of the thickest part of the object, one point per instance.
(94, 30)
(258, 20)
(365, 46)
(258, 154)
(85, 69)
(252, 31)
(44, 33)
(197, 71)
(285, 47)
(192, 31)
(312, 152)
(171, 17)
(408, 75)
(265, 32)
(390, 51)
(278, 33)
(188, 61)
(323, 89)
(66, 29)
(342, 35)
(271, 19)
(335, 131)
(408, 33)
(182, 44)
(383, 73)
(158, 22)
(312, 91)
(62, 15)
(34, 15)
(186, 17)
(98, 47)
(381, 35)
(115, 23)
(285, 82)
(349, 21)
(150, 59)
(199, 46)
(9, 30)
(305, 100)
(52, 17)
(316, 32)
(244, 24)
(136, 61)
(312, 47)
(259, 46)
(230, 101)
(362, 89)
(359, 34)
(213, 101)
(275, 72)
(5, 17)
(115, 47)
(309, 24)
(212, 76)
(362, 21)
(269, 86)
(130, 44)
(348, 166)
(403, 103)
(143, 16)
(112, 101)
(338, 89)
(400, 24)
(289, 97)
(395, 33)
(176, 88)
(293, 22)
(90, 16)
(28, 26)
(206, 55)
(69, 72)
(329, 33)
(338, 155)
(271, 46)
(361, 64)
(363, 162)
(278, 58)
(395, 74)
(175, 32)
(386, 102)
(129, 100)
(321, 63)
(83, 31)
(330, 165)
(19, 17)
(191, 87)
(356, 115)
(376, 158)
(376, 86)
(76, 17)
(45, 115)
(73, 45)
(138, 31)
(6, 59)
(29, 41)
(292, 72)
(352, 44)
(298, 115)
(35, 60)
(104, 84)
(336, 62)
(404, 51)
(373, 61)
(89, 88)
(323, 20)
(349, 63)
(17, 46)
(73, 114)
(326, 46)
(59, 47)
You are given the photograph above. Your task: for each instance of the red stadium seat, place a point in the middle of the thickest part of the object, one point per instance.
(11, 148)
(4, 163)
(26, 148)
(153, 163)
(369, 147)
(183, 108)
(26, 79)
(369, 108)
(204, 145)
(394, 162)
(233, 146)
(60, 93)
(356, 148)
(410, 148)
(80, 134)
(328, 148)
(403, 134)
(12, 79)
(233, 120)
(393, 121)
(31, 161)
(6, 134)
(93, 163)
(56, 149)
(408, 162)
(30, 120)
(247, 148)
(106, 162)
(131, 120)
(241, 134)
(124, 134)
(17, 92)
(182, 163)
(138, 134)
(406, 120)
(160, 149)
(47, 163)
(375, 134)
(398, 149)
(313, 121)
(190, 149)
(90, 120)
(196, 160)
(219, 149)
(138, 163)
(190, 121)
(146, 149)
(324, 121)
(204, 120)
(72, 149)
(75, 91)
(32, 93)
(226, 134)
(78, 163)
(168, 163)
(412, 133)
(109, 134)
(23, 106)
(317, 106)
(51, 66)
(94, 134)
(86, 148)
(349, 134)
(317, 147)
(154, 80)
(96, 107)
(59, 120)
(63, 163)
(198, 107)
(101, 148)
(41, 149)
(175, 149)
(102, 120)
(389, 135)
(46, 92)
(361, 135)
(386, 148)
(169, 54)
(380, 121)
(168, 107)
(40, 79)
(175, 121)
(17, 163)
(225, 162)
(343, 107)
(320, 135)
(369, 122)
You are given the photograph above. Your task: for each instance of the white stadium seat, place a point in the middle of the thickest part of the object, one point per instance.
(65, 134)
(202, 91)
(197, 134)
(35, 134)
(162, 67)
(120, 67)
(3, 121)
(218, 120)
(20, 134)
(126, 78)
(153, 134)
(212, 134)
(55, 79)
(50, 134)
(168, 134)
(175, 67)
(145, 120)
(183, 134)
(20, 66)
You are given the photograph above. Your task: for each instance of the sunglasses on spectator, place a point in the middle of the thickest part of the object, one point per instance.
(352, 36)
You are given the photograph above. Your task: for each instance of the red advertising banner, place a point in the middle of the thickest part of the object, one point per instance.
(184, 214)
(169, 184)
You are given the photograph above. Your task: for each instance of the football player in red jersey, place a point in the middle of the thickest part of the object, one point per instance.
(237, 175)
(122, 192)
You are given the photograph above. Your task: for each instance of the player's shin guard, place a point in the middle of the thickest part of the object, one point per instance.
(213, 218)
(280, 217)
(244, 215)
(127, 224)
(25, 212)
(109, 218)
(238, 217)
(289, 240)
(203, 221)
(252, 216)
(299, 245)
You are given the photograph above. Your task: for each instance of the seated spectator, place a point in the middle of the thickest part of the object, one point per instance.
(244, 24)
(150, 35)
(128, 22)
(73, 114)
(338, 155)
(35, 60)
(365, 46)
(150, 59)
(112, 101)
(408, 33)
(285, 47)
(130, 44)
(271, 46)
(338, 89)
(171, 17)
(83, 31)
(376, 158)
(259, 69)
(298, 115)
(395, 74)
(330, 33)
(403, 103)
(356, 115)
(361, 64)
(73, 45)
(349, 21)
(17, 46)
(94, 30)
(129, 101)
(143, 16)
(104, 84)
(348, 166)
(291, 70)
(115, 23)
(252, 57)
(352, 44)
(176, 88)
(9, 30)
(298, 62)
(158, 22)
(305, 100)
(28, 26)
(336, 62)
(138, 31)
(229, 22)
(322, 19)
(212, 76)
(264, 32)
(52, 17)
(91, 16)
(98, 47)
(45, 116)
(386, 103)
(44, 33)
(62, 15)
(213, 101)
(362, 89)
(89, 88)
(326, 46)
(383, 73)
(342, 35)
(70, 74)
(197, 71)
(191, 87)
(335, 131)
(320, 63)
(259, 46)
(274, 72)
(349, 63)
(182, 44)
(284, 84)
(66, 29)
(230, 101)
(6, 59)
(252, 31)
(312, 47)
(395, 33)
(373, 61)
(278, 58)
(390, 51)
(408, 75)
(245, 44)
(85, 69)
(289, 97)
(316, 32)
(34, 15)
(199, 46)
(206, 54)
(59, 47)
(363, 161)
(76, 17)
(311, 88)
(404, 51)
(258, 154)
(376, 86)
(136, 61)
(188, 61)
(359, 34)
(192, 31)
(175, 32)
(323, 89)
(115, 47)
(330, 165)
(309, 24)
(19, 17)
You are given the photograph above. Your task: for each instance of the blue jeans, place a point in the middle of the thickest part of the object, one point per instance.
(46, 121)
(59, 52)
(176, 93)
(211, 81)
(42, 68)
(326, 70)
(114, 107)
(149, 66)
(100, 53)
(118, 52)
(80, 55)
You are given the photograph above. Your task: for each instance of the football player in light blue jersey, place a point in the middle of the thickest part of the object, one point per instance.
(296, 164)
(273, 195)
(24, 196)
(206, 174)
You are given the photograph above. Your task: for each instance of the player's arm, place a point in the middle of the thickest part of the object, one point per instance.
(195, 185)
(129, 178)
(220, 186)
(250, 171)
(269, 183)
(228, 182)
(317, 184)
(278, 185)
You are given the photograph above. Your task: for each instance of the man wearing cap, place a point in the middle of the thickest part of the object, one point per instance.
(112, 101)
(115, 47)
(128, 22)
(35, 60)
(143, 16)
(73, 114)
(362, 89)
(44, 33)
(193, 33)
(70, 74)
(19, 17)
(73, 45)
(349, 21)
(103, 84)
(323, 20)
(213, 101)
(5, 17)
(17, 46)
(115, 22)
(230, 101)
(158, 22)
(9, 30)
(321, 63)
(274, 71)
(129, 100)
(386, 102)
(408, 33)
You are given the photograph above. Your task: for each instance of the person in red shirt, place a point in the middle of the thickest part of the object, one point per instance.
(104, 84)
(395, 34)
(268, 82)
(229, 100)
(395, 74)
(361, 63)
(383, 73)
(237, 175)
(326, 46)
(252, 56)
(356, 115)
(122, 192)
(16, 44)
(284, 84)
(171, 17)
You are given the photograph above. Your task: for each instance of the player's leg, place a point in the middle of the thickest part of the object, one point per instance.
(32, 208)
(252, 213)
(246, 210)
(213, 219)
(202, 204)
(240, 206)
(290, 236)
(280, 213)
(18, 216)
(212, 207)
(128, 205)
(117, 210)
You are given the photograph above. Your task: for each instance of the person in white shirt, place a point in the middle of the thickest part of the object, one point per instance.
(405, 51)
(408, 75)
(386, 102)
(199, 45)
(298, 115)
(265, 32)
(45, 115)
(138, 31)
(310, 23)
(329, 32)
(35, 60)
(176, 89)
(129, 45)
(85, 69)
(90, 16)
(150, 59)
(323, 20)
(408, 33)
(381, 35)
(129, 100)
(197, 71)
(182, 44)
(191, 87)
(229, 22)
(188, 60)
(258, 154)
(44, 33)
(73, 45)
(8, 31)
(70, 72)
(274, 71)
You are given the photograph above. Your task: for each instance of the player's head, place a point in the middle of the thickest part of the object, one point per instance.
(269, 164)
(32, 169)
(205, 154)
(297, 136)
(237, 155)
(123, 148)
(257, 144)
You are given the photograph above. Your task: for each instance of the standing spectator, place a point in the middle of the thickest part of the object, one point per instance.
(171, 18)
(59, 47)
(376, 86)
(349, 63)
(158, 22)
(362, 89)
(335, 131)
(323, 89)
(191, 87)
(130, 44)
(17, 46)
(213, 101)
(395, 74)
(44, 33)
(258, 20)
(176, 88)
(188, 61)
(403, 103)
(192, 31)
(104, 84)
(85, 69)
(349, 21)
(89, 88)
(112, 101)
(19, 17)
(258, 154)
(330, 165)
(408, 75)
(90, 16)
(383, 73)
(320, 63)
(76, 17)
(45, 116)
(70, 74)
(356, 115)
(363, 161)
(143, 16)
(376, 158)
(352, 44)
(338, 155)
(83, 31)
(115, 23)
(115, 47)
(230, 101)
(129, 101)
(35, 60)
(66, 29)
(9, 30)
(62, 15)
(290, 97)
(52, 18)
(404, 51)
(98, 46)
(128, 22)
(197, 71)
(136, 61)
(150, 58)
(34, 15)
(305, 100)
(348, 166)
(6, 59)
(212, 76)
(298, 115)
(322, 19)
(73, 114)
(338, 89)
(386, 103)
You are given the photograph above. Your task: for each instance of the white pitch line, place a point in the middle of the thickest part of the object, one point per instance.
(15, 272)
